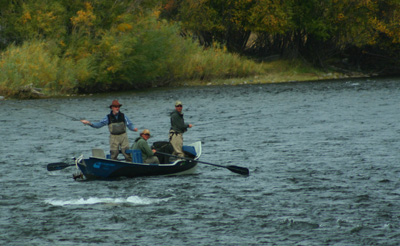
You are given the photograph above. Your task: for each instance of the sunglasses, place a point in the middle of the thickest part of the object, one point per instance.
(146, 134)
(116, 106)
(179, 106)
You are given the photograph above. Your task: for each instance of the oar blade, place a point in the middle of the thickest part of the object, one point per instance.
(239, 170)
(57, 166)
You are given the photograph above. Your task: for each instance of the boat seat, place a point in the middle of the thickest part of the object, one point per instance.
(98, 153)
(189, 149)
(136, 155)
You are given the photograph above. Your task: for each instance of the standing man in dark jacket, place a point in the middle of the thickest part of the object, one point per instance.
(117, 123)
(178, 127)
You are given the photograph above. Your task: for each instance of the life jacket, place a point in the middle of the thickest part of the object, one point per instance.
(116, 126)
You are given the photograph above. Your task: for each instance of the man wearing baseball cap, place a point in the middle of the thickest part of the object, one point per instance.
(178, 127)
(142, 145)
(117, 123)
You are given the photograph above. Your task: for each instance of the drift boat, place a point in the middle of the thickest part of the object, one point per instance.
(99, 166)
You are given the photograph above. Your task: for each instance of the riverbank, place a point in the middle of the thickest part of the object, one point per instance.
(279, 71)
(270, 78)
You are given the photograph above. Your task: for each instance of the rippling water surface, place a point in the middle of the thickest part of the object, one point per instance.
(323, 160)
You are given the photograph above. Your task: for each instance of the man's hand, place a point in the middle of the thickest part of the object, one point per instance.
(86, 122)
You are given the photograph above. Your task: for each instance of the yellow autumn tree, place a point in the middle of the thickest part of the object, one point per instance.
(84, 20)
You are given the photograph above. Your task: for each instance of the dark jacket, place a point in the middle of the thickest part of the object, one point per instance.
(177, 122)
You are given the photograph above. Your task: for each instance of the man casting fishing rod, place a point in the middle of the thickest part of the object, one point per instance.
(178, 127)
(117, 123)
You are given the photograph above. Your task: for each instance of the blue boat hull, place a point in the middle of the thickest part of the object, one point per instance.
(98, 168)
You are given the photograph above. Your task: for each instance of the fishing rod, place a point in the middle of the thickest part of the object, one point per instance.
(68, 116)
(52, 111)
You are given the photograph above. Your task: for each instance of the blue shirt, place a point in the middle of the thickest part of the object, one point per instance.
(104, 122)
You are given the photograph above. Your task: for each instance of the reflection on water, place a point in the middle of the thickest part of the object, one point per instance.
(322, 157)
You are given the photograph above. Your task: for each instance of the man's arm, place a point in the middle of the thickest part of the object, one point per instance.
(129, 124)
(99, 124)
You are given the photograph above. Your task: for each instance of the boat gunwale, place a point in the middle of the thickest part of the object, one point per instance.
(196, 145)
(143, 164)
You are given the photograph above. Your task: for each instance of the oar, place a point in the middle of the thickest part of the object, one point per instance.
(235, 169)
(58, 166)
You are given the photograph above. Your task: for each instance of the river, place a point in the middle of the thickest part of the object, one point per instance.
(323, 160)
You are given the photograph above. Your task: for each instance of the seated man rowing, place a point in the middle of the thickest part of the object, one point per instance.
(147, 153)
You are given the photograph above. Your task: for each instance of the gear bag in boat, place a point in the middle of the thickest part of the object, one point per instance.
(164, 147)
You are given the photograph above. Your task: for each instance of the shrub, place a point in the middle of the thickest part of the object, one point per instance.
(36, 64)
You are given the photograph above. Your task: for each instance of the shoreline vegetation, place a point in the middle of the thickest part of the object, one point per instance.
(279, 71)
(39, 69)
(54, 48)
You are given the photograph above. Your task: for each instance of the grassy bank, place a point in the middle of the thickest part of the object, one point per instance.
(279, 71)
(208, 72)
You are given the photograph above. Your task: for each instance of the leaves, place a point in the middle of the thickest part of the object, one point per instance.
(131, 44)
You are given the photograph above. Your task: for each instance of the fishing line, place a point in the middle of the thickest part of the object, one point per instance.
(242, 116)
(52, 111)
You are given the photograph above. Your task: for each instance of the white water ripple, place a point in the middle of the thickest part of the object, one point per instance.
(135, 200)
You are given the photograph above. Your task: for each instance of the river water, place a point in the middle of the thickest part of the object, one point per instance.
(323, 160)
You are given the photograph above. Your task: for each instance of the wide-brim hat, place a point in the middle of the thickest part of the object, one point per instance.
(145, 131)
(115, 103)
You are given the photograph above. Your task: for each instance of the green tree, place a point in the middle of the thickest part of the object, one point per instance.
(30, 19)
(213, 20)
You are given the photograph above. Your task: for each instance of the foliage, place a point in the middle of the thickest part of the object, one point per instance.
(216, 62)
(32, 19)
(133, 49)
(151, 52)
(36, 64)
(314, 30)
(228, 22)
(103, 45)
